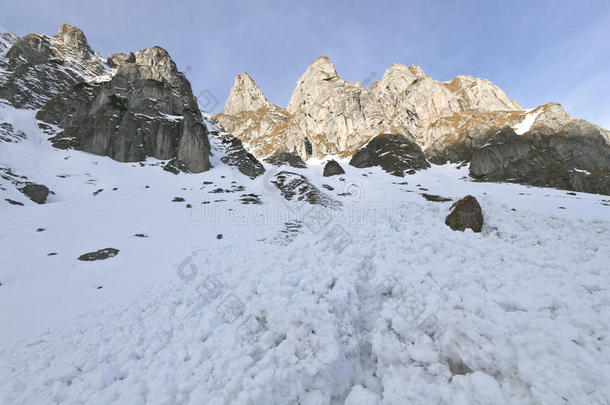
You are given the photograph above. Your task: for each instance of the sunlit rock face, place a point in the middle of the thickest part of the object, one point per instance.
(327, 115)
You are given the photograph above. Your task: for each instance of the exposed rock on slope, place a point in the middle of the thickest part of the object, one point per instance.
(233, 151)
(146, 109)
(36, 192)
(286, 159)
(455, 138)
(393, 153)
(576, 158)
(38, 67)
(332, 168)
(294, 186)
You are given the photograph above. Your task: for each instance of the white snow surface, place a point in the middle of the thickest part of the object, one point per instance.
(376, 302)
(527, 122)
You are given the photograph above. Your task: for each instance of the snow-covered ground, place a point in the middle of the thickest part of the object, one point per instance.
(376, 302)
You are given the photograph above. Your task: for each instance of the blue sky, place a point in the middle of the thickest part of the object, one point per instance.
(537, 51)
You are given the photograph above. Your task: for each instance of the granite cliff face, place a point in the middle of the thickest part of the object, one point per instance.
(327, 115)
(146, 109)
(128, 107)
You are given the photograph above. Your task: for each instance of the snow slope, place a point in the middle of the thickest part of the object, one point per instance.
(376, 302)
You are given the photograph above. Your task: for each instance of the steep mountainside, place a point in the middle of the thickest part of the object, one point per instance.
(451, 122)
(129, 107)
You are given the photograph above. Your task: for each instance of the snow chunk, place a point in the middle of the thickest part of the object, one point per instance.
(527, 122)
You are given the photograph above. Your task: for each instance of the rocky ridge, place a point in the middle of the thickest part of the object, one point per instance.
(37, 67)
(327, 115)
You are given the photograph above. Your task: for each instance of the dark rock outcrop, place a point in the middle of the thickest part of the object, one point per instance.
(577, 159)
(286, 159)
(39, 67)
(175, 166)
(101, 254)
(466, 213)
(236, 155)
(332, 168)
(117, 59)
(296, 186)
(395, 154)
(36, 192)
(9, 134)
(146, 109)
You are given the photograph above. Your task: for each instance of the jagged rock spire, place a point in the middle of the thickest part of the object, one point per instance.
(321, 73)
(74, 37)
(245, 95)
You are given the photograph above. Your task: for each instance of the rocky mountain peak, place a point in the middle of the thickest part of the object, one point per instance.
(245, 95)
(319, 79)
(327, 115)
(39, 67)
(73, 37)
(144, 108)
(152, 63)
(396, 79)
(321, 66)
(481, 94)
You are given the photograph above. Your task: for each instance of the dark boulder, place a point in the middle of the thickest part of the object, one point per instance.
(395, 154)
(466, 213)
(36, 192)
(101, 254)
(332, 168)
(236, 155)
(286, 159)
(175, 166)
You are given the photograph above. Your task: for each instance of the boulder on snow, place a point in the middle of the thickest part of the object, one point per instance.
(236, 155)
(333, 168)
(466, 213)
(36, 192)
(101, 254)
(175, 166)
(286, 159)
(395, 154)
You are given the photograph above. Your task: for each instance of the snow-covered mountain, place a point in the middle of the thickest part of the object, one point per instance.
(147, 257)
